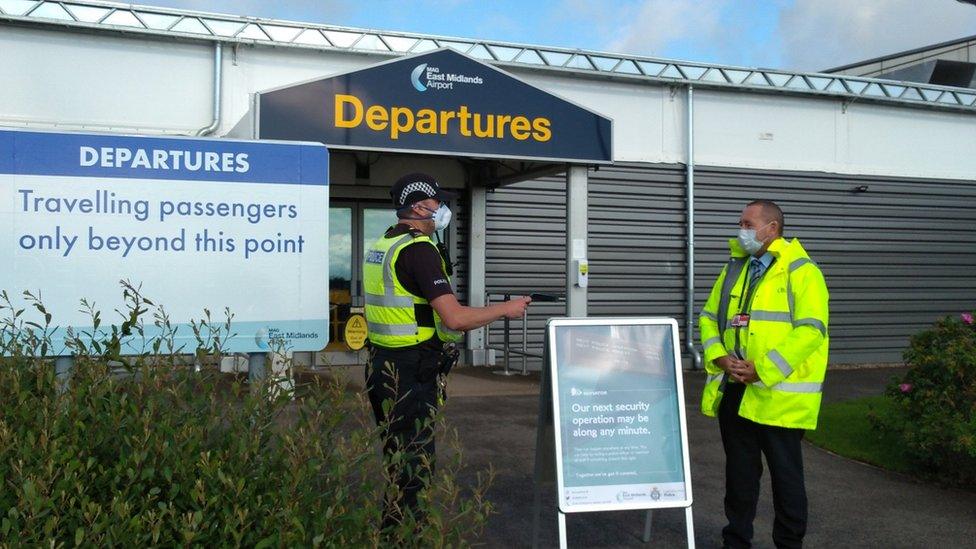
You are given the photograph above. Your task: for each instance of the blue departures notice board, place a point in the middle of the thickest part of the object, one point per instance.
(197, 224)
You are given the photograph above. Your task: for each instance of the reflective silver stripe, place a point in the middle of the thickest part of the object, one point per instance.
(713, 378)
(392, 329)
(799, 263)
(732, 272)
(815, 322)
(786, 387)
(809, 387)
(708, 315)
(780, 362)
(711, 341)
(389, 300)
(388, 286)
(388, 263)
(770, 316)
(790, 300)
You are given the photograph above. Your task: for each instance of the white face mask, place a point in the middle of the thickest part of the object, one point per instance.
(747, 239)
(442, 217)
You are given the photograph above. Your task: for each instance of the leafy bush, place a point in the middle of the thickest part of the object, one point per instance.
(144, 450)
(934, 411)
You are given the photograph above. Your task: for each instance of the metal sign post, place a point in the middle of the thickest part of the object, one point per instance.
(544, 449)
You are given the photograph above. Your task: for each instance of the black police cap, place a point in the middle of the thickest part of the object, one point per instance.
(415, 187)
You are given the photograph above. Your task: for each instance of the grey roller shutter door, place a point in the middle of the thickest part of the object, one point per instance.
(896, 256)
(635, 244)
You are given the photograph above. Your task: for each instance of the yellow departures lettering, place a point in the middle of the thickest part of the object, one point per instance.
(397, 120)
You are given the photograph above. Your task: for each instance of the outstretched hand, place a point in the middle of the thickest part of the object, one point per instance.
(515, 307)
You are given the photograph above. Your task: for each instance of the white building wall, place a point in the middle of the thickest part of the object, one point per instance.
(102, 82)
(777, 131)
(253, 70)
(648, 122)
(111, 82)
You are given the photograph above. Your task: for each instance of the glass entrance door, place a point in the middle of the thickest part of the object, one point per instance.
(340, 273)
(353, 226)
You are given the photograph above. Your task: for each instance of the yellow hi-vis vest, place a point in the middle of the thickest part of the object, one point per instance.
(391, 317)
(786, 336)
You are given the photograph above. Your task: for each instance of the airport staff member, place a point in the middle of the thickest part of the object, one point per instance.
(764, 332)
(411, 313)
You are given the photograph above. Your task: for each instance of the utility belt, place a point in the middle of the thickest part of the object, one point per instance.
(441, 367)
(449, 355)
(432, 362)
(434, 366)
(449, 358)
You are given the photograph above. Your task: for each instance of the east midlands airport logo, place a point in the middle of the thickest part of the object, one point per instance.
(274, 338)
(424, 77)
(415, 77)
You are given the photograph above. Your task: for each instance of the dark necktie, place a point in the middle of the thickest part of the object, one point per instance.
(755, 270)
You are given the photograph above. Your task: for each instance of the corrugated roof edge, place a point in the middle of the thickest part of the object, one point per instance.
(913, 51)
(194, 25)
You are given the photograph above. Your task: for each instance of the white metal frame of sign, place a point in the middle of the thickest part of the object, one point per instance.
(552, 374)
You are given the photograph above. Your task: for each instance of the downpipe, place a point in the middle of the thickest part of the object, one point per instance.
(690, 224)
(207, 130)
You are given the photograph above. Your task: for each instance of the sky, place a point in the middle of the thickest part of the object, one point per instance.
(806, 35)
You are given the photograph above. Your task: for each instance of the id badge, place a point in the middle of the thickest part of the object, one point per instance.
(740, 321)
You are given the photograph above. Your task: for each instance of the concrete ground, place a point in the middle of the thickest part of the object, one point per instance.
(851, 504)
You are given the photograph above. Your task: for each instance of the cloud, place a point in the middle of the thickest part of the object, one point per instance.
(654, 25)
(820, 34)
(599, 17)
(719, 31)
(805, 35)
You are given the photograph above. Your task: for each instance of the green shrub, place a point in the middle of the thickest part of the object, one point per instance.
(144, 451)
(934, 405)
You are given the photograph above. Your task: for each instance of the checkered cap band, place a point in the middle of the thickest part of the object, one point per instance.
(416, 186)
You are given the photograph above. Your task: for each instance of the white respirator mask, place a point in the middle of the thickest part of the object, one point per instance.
(747, 239)
(442, 217)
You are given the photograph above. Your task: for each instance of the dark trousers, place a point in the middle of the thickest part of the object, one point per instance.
(405, 381)
(745, 443)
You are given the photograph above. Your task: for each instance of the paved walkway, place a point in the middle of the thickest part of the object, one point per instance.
(851, 505)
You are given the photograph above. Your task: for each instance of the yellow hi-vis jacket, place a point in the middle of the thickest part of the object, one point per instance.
(391, 311)
(786, 336)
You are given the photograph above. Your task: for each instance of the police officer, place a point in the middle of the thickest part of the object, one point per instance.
(411, 313)
(764, 332)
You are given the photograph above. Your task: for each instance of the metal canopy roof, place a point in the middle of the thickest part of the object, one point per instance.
(133, 19)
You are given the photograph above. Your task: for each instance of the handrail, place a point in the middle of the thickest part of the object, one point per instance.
(507, 350)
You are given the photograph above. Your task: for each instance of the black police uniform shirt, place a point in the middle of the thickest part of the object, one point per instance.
(419, 270)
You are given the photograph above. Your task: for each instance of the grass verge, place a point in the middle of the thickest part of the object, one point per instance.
(844, 429)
